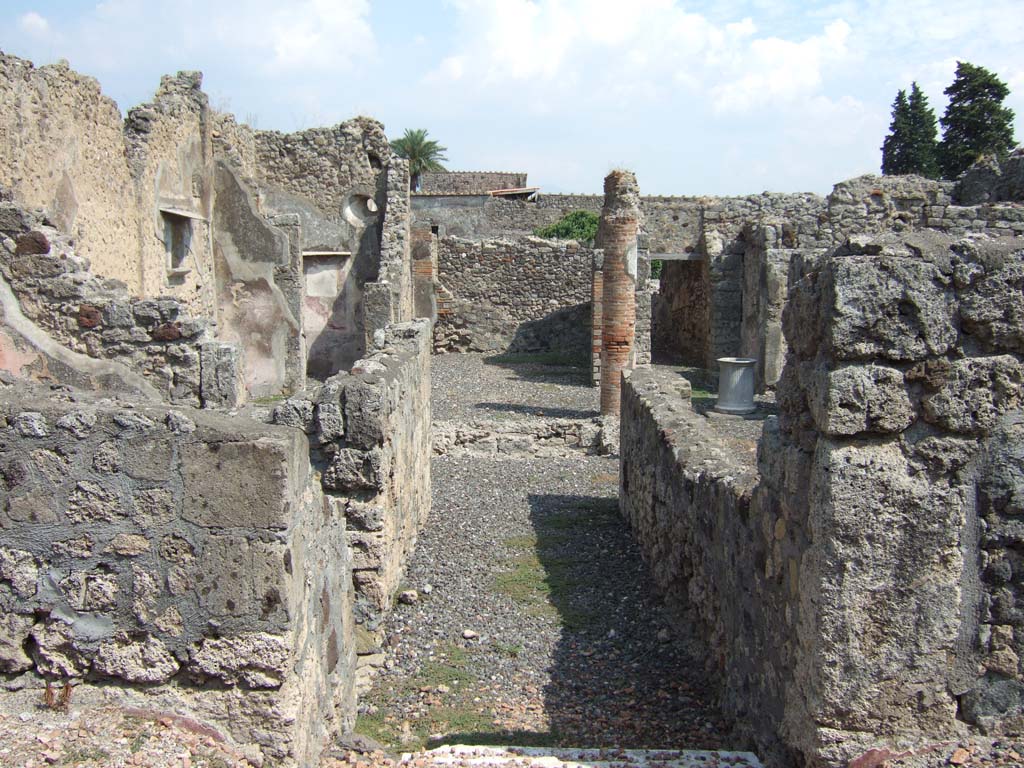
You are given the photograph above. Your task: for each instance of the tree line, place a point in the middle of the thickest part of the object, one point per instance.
(975, 123)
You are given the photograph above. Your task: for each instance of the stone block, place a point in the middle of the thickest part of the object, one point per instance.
(364, 409)
(137, 661)
(860, 398)
(243, 579)
(91, 502)
(973, 392)
(882, 529)
(239, 484)
(355, 470)
(14, 631)
(254, 660)
(889, 308)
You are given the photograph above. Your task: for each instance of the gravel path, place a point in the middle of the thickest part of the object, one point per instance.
(534, 621)
(472, 387)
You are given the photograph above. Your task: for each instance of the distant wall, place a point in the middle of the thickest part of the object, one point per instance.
(469, 182)
(517, 294)
(671, 223)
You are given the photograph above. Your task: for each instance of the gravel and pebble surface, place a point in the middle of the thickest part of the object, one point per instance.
(534, 621)
(471, 387)
(530, 617)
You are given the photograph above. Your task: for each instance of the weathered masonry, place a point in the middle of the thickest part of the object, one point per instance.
(726, 261)
(860, 582)
(167, 537)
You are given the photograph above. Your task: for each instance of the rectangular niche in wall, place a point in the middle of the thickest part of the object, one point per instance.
(177, 239)
(332, 336)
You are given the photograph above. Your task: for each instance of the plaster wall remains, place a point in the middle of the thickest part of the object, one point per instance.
(858, 583)
(469, 182)
(180, 201)
(62, 323)
(169, 155)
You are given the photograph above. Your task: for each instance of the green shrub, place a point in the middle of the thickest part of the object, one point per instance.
(578, 225)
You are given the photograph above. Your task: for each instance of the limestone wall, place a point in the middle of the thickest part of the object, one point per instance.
(469, 182)
(521, 295)
(175, 559)
(859, 590)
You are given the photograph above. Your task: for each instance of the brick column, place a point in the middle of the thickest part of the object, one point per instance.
(617, 233)
(596, 327)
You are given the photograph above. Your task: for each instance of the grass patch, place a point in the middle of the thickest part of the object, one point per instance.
(447, 713)
(546, 574)
(77, 755)
(269, 399)
(512, 651)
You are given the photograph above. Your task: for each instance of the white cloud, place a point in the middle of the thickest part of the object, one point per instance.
(646, 49)
(32, 23)
(772, 70)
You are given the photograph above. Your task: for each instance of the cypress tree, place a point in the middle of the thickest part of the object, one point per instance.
(911, 144)
(922, 155)
(975, 122)
(894, 147)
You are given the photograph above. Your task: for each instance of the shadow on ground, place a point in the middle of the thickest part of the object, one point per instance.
(620, 677)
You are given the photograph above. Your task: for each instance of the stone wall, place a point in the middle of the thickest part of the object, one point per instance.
(325, 166)
(671, 223)
(170, 157)
(180, 201)
(60, 319)
(62, 149)
(389, 297)
(177, 560)
(469, 182)
(859, 589)
(370, 430)
(212, 565)
(520, 295)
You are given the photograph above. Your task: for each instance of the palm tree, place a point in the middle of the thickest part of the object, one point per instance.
(422, 153)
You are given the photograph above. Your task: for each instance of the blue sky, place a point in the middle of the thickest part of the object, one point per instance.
(728, 97)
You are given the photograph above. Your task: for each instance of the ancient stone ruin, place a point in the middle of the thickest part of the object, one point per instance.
(217, 432)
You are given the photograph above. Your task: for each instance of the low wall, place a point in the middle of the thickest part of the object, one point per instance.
(212, 565)
(178, 560)
(859, 590)
(370, 429)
